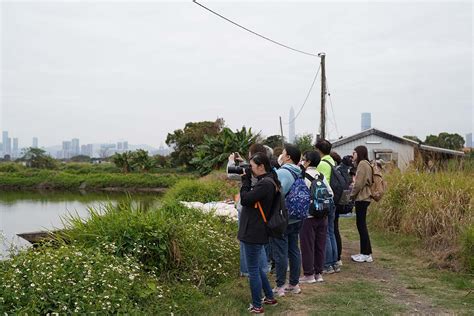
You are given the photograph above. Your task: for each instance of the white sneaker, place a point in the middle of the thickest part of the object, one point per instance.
(307, 279)
(279, 291)
(318, 277)
(363, 258)
(355, 256)
(339, 263)
(293, 289)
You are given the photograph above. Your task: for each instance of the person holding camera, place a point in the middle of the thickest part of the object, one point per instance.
(235, 168)
(252, 230)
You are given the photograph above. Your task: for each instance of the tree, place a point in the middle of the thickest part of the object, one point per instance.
(37, 158)
(185, 141)
(274, 141)
(445, 140)
(215, 150)
(304, 142)
(123, 161)
(142, 161)
(413, 138)
(161, 161)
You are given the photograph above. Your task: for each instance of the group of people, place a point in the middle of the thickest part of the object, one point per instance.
(313, 243)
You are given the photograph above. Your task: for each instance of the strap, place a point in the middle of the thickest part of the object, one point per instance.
(309, 177)
(328, 163)
(261, 211)
(292, 172)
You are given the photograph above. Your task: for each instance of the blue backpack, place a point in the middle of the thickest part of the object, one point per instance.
(298, 198)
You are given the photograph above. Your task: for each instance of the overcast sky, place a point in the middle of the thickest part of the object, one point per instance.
(135, 71)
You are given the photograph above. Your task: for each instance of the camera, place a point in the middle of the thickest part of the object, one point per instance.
(239, 168)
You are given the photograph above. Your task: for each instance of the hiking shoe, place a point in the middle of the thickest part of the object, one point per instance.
(279, 291)
(255, 310)
(336, 268)
(363, 258)
(307, 279)
(318, 277)
(339, 263)
(270, 301)
(329, 270)
(293, 289)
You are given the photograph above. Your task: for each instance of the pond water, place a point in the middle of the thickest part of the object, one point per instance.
(22, 212)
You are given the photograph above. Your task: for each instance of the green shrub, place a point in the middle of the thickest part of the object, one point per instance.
(11, 167)
(72, 279)
(467, 243)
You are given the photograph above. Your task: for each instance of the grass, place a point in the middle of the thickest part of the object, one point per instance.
(438, 209)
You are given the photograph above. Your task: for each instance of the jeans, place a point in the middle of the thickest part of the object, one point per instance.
(361, 214)
(331, 246)
(287, 249)
(257, 276)
(313, 244)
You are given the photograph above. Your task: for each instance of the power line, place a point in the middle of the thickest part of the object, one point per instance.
(332, 108)
(255, 33)
(307, 96)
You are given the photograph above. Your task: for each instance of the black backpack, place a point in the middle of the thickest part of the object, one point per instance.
(338, 183)
(277, 221)
(320, 200)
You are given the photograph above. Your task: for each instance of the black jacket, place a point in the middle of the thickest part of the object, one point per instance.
(252, 227)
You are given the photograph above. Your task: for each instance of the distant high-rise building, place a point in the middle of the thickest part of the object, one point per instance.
(469, 140)
(15, 151)
(75, 149)
(66, 151)
(5, 142)
(292, 128)
(8, 147)
(87, 150)
(366, 121)
(35, 142)
(119, 146)
(125, 145)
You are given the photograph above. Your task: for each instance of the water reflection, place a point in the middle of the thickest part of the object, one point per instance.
(22, 212)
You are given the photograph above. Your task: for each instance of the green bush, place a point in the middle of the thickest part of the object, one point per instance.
(71, 279)
(467, 243)
(11, 167)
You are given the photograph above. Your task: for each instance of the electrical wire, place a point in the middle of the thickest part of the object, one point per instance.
(255, 33)
(332, 107)
(307, 96)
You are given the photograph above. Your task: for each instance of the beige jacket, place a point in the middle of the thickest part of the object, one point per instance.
(363, 181)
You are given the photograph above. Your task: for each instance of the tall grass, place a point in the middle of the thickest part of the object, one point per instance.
(437, 208)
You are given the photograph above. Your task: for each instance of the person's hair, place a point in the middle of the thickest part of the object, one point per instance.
(313, 157)
(277, 151)
(334, 155)
(293, 152)
(324, 146)
(347, 160)
(269, 151)
(261, 158)
(257, 148)
(362, 153)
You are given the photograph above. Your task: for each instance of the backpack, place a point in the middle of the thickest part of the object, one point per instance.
(298, 197)
(378, 186)
(338, 183)
(320, 201)
(278, 218)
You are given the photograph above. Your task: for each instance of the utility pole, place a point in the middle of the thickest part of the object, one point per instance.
(322, 125)
(281, 130)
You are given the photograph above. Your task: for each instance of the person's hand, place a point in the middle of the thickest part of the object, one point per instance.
(237, 157)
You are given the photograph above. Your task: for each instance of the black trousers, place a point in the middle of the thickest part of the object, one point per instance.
(338, 235)
(361, 219)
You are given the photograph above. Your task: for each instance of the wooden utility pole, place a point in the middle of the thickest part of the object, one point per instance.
(281, 130)
(322, 126)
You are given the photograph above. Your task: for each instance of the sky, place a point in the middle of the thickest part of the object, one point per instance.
(109, 71)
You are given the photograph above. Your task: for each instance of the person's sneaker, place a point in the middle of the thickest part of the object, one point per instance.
(279, 291)
(329, 270)
(293, 289)
(307, 279)
(339, 263)
(336, 268)
(318, 277)
(270, 301)
(256, 310)
(363, 258)
(356, 256)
